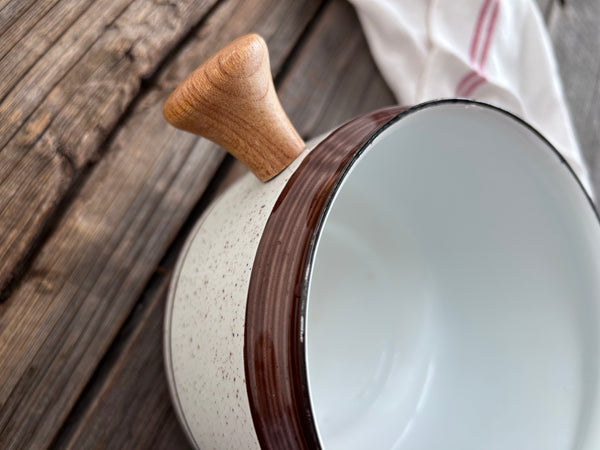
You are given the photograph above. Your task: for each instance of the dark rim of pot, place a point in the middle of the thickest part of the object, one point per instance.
(274, 346)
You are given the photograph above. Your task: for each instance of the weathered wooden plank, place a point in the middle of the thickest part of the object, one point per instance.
(63, 87)
(129, 388)
(23, 91)
(86, 278)
(131, 408)
(111, 402)
(575, 30)
(11, 11)
(16, 21)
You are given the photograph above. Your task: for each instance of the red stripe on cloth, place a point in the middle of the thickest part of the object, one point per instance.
(463, 82)
(489, 33)
(477, 30)
(475, 38)
(473, 79)
(469, 90)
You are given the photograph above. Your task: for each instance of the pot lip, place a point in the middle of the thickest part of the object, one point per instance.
(283, 415)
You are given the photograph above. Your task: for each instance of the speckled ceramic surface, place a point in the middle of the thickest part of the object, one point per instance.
(204, 325)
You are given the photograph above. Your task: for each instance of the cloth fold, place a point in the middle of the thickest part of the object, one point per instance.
(497, 51)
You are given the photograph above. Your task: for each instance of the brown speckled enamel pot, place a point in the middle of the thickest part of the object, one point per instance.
(268, 396)
(420, 278)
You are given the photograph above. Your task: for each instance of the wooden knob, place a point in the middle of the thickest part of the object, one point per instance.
(231, 100)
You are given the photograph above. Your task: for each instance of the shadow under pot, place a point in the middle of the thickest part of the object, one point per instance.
(420, 278)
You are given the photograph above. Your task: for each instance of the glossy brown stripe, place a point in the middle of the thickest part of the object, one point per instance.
(274, 352)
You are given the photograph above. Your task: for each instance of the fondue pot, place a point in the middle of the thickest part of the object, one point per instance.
(424, 277)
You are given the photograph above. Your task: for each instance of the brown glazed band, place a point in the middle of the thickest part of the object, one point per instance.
(274, 347)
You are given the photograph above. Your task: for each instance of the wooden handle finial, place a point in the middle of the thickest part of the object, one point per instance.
(231, 100)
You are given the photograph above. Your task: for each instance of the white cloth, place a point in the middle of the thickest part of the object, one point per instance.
(497, 51)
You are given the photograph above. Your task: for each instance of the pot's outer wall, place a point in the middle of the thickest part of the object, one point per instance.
(206, 312)
(206, 341)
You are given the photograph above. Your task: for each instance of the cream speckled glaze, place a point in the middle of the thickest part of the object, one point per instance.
(205, 318)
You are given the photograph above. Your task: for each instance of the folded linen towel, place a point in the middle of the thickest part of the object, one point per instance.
(497, 51)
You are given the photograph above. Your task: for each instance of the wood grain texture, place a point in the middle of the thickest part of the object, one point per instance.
(68, 73)
(106, 408)
(575, 30)
(230, 99)
(133, 400)
(82, 285)
(30, 30)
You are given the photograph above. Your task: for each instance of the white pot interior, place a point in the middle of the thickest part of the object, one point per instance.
(453, 301)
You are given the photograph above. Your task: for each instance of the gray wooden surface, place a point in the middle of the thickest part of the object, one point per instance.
(97, 192)
(575, 30)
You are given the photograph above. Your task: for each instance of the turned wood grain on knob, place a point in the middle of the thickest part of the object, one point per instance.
(231, 100)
